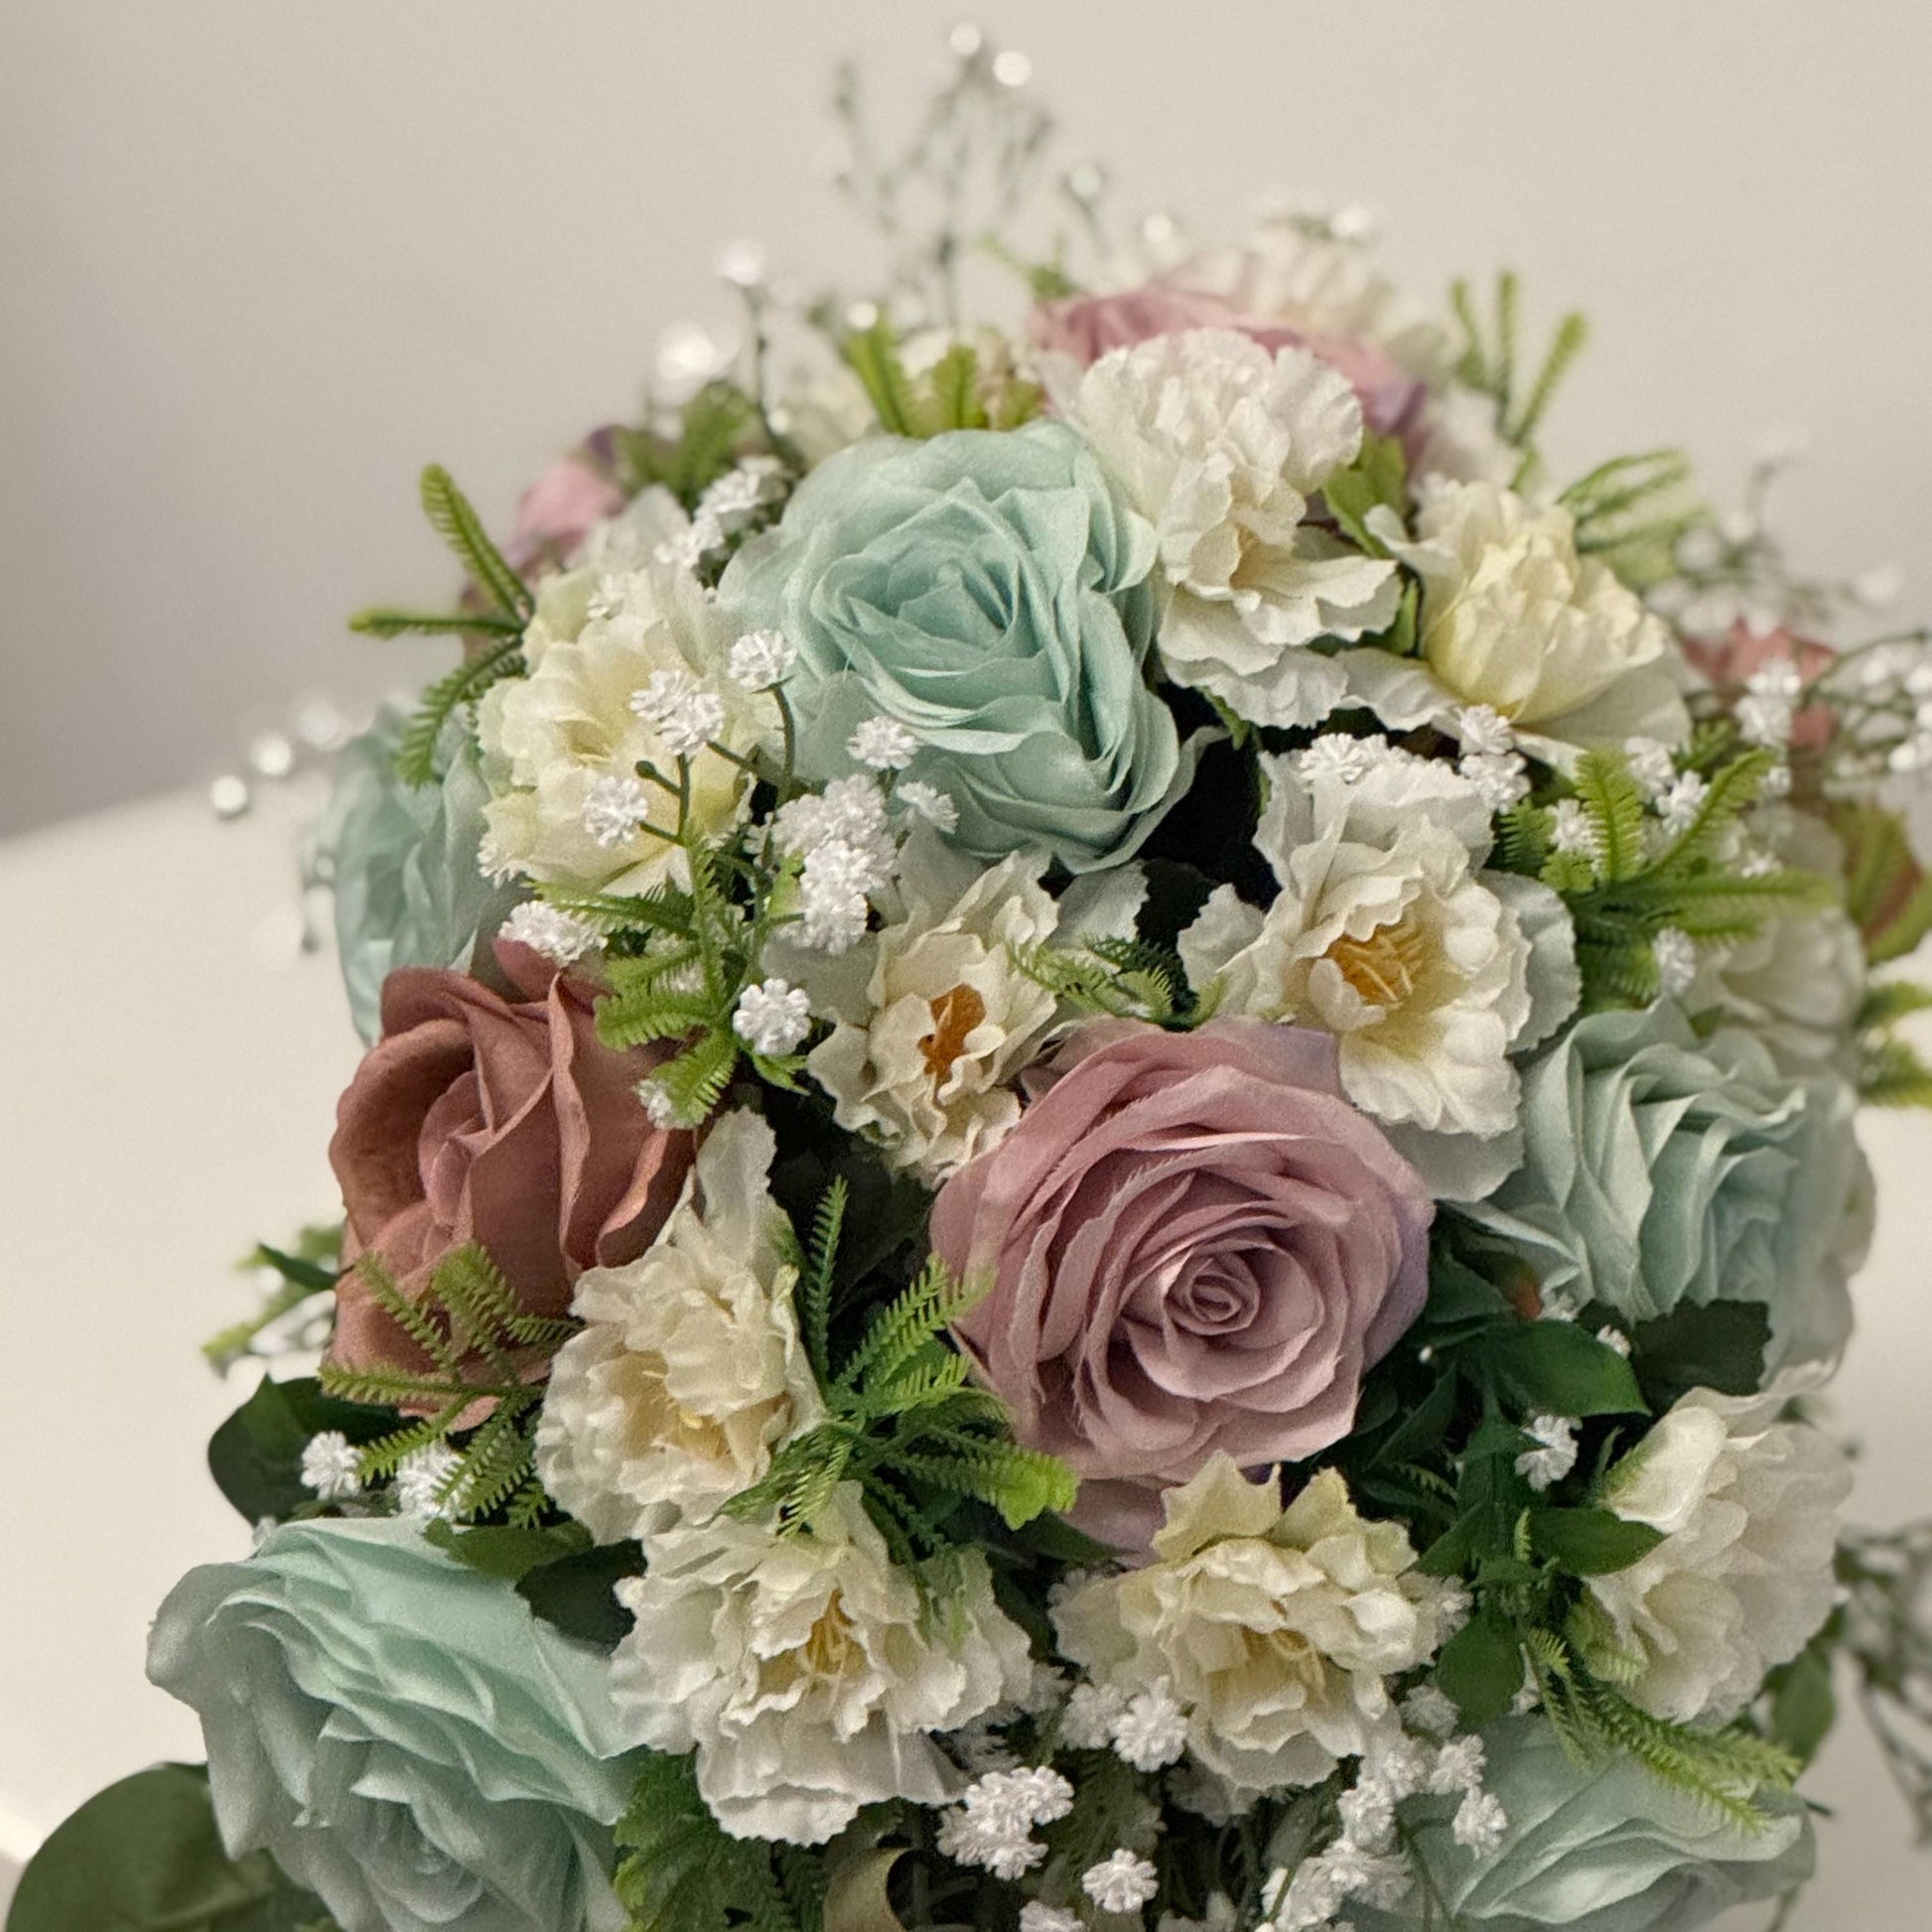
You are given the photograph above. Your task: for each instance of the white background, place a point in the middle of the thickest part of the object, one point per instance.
(259, 262)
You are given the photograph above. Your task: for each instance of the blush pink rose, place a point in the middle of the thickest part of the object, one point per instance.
(1729, 660)
(500, 1121)
(1087, 326)
(559, 511)
(1196, 1245)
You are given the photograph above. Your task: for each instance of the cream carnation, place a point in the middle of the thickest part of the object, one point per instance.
(689, 1369)
(562, 744)
(1748, 1507)
(1276, 1629)
(1220, 444)
(807, 1672)
(935, 1017)
(1385, 934)
(1514, 617)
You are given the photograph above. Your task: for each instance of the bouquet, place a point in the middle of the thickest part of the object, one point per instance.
(1106, 1161)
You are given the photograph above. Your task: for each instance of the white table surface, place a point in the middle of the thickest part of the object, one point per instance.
(167, 1099)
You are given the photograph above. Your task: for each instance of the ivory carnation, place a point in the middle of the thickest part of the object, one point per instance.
(1748, 1507)
(1219, 444)
(807, 1672)
(689, 1369)
(1277, 1627)
(929, 1043)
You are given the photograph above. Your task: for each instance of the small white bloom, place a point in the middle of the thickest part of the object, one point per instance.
(772, 1017)
(686, 549)
(1340, 759)
(1778, 680)
(926, 803)
(551, 931)
(1651, 765)
(1480, 1823)
(685, 714)
(1570, 828)
(883, 745)
(1151, 1732)
(1121, 1882)
(421, 1479)
(1764, 721)
(1777, 783)
(331, 1466)
(1367, 1813)
(1676, 955)
(1484, 729)
(989, 1838)
(659, 1108)
(1458, 1767)
(615, 809)
(762, 658)
(1555, 1454)
(1680, 805)
(1614, 1338)
(1092, 1710)
(833, 896)
(1428, 1709)
(1400, 1761)
(1378, 1878)
(1502, 777)
(1036, 1915)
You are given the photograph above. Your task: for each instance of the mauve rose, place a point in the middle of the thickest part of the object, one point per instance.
(1196, 1245)
(1087, 326)
(559, 511)
(500, 1121)
(1729, 660)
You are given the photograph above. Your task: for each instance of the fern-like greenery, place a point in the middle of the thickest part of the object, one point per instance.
(1633, 511)
(478, 1343)
(955, 393)
(902, 1419)
(1491, 358)
(1128, 979)
(714, 430)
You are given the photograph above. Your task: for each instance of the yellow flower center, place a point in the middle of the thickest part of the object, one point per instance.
(1385, 967)
(954, 1016)
(830, 1651)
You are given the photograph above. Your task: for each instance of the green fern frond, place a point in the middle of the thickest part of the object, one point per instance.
(820, 1263)
(875, 360)
(1887, 1001)
(1893, 1074)
(694, 1082)
(1732, 790)
(382, 622)
(416, 754)
(1610, 794)
(666, 910)
(457, 525)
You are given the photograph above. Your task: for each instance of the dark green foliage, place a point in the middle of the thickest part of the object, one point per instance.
(715, 429)
(1801, 1701)
(255, 1456)
(1481, 1668)
(564, 1578)
(1720, 1345)
(144, 1856)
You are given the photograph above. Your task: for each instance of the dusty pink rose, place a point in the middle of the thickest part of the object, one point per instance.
(1087, 326)
(1197, 1244)
(559, 511)
(1729, 660)
(501, 1121)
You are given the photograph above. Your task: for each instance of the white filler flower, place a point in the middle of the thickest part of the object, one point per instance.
(806, 1672)
(1220, 444)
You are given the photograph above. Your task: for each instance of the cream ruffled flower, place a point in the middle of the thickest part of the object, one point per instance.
(1749, 1507)
(1276, 1629)
(935, 1018)
(561, 745)
(689, 1369)
(1429, 973)
(1220, 444)
(1514, 617)
(807, 1672)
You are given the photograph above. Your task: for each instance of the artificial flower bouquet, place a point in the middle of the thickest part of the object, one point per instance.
(1105, 1161)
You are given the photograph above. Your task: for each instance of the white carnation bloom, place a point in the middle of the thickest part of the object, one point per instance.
(561, 743)
(928, 1044)
(1514, 617)
(689, 1369)
(806, 1672)
(1748, 1507)
(1429, 973)
(1276, 1629)
(1220, 444)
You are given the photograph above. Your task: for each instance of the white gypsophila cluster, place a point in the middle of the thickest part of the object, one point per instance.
(738, 497)
(1748, 1505)
(993, 1825)
(1768, 711)
(936, 1016)
(1683, 802)
(1122, 1881)
(686, 549)
(331, 1466)
(556, 934)
(1653, 764)
(1036, 1915)
(1151, 1731)
(762, 658)
(773, 1016)
(806, 1672)
(881, 744)
(927, 803)
(1219, 444)
(1555, 1454)
(615, 809)
(1674, 953)
(1484, 731)
(685, 714)
(423, 1484)
(689, 1370)
(1500, 778)
(1571, 830)
(1336, 1598)
(847, 854)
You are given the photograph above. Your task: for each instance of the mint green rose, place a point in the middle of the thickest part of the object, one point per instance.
(1605, 1848)
(990, 592)
(1663, 1170)
(399, 1733)
(403, 863)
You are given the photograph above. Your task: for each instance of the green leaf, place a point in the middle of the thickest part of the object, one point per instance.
(682, 1872)
(1720, 1346)
(144, 1856)
(457, 525)
(432, 623)
(1378, 478)
(1481, 1668)
(255, 1456)
(1591, 1542)
(873, 355)
(1804, 1703)
(1555, 1368)
(576, 1592)
(500, 1549)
